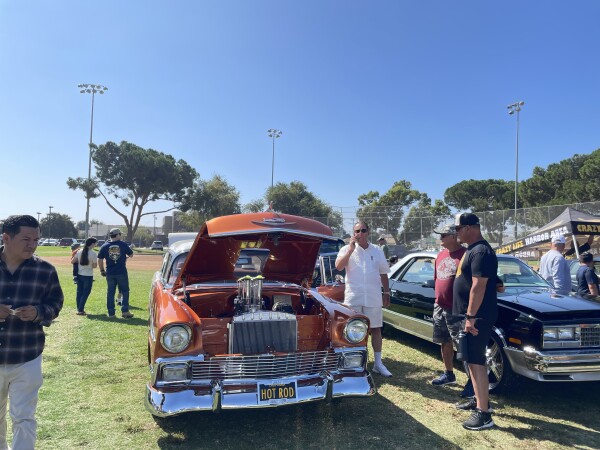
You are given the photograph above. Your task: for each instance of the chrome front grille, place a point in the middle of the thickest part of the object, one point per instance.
(264, 367)
(590, 336)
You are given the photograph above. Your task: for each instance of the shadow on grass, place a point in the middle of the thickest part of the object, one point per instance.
(570, 402)
(138, 321)
(345, 423)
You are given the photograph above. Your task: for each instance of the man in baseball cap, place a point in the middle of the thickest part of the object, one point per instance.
(115, 253)
(465, 219)
(446, 325)
(554, 267)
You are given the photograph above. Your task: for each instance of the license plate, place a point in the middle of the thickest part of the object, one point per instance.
(278, 392)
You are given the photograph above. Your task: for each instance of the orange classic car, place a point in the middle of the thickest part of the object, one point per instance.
(235, 324)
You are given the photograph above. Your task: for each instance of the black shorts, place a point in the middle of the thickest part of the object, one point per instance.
(477, 344)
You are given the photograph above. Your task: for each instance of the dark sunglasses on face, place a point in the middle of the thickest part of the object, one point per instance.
(362, 230)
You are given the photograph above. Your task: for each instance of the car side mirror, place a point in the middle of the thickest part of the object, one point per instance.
(429, 284)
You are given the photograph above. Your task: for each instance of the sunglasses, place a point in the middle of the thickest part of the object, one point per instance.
(362, 230)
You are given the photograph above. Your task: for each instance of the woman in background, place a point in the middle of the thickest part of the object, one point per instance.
(87, 260)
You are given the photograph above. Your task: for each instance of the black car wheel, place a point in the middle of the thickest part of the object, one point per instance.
(499, 371)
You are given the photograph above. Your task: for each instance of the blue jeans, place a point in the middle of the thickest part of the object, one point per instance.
(84, 288)
(122, 280)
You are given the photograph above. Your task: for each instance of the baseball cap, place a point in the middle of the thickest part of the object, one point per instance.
(114, 231)
(559, 239)
(446, 229)
(466, 219)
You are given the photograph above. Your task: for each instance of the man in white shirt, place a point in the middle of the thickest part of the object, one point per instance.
(554, 267)
(366, 273)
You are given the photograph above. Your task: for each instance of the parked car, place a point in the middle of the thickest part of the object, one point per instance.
(539, 335)
(50, 242)
(233, 323)
(156, 245)
(67, 242)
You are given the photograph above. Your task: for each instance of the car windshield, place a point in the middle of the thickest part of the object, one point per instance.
(515, 274)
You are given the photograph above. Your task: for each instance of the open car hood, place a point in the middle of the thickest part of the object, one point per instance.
(292, 244)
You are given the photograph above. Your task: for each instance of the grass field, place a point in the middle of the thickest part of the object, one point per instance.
(95, 370)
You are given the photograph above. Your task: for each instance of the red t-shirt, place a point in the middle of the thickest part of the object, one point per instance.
(446, 264)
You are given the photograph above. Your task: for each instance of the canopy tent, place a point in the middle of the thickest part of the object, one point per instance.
(570, 223)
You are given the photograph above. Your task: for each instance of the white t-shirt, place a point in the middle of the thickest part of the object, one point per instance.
(87, 270)
(363, 275)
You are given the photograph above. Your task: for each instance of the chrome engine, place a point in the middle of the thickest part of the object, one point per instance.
(254, 330)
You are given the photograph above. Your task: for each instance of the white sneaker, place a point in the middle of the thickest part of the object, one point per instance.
(381, 370)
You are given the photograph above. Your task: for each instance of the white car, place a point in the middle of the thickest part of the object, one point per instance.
(156, 245)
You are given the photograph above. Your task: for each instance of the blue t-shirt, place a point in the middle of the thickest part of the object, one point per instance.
(115, 254)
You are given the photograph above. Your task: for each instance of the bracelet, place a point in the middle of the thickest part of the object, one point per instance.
(469, 316)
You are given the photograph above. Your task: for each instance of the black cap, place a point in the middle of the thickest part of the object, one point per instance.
(466, 219)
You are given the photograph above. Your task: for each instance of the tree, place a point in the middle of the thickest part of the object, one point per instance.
(59, 225)
(485, 195)
(295, 198)
(209, 199)
(257, 205)
(135, 176)
(571, 180)
(386, 211)
(423, 218)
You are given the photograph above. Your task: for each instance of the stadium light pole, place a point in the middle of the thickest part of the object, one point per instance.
(90, 89)
(516, 108)
(273, 134)
(49, 219)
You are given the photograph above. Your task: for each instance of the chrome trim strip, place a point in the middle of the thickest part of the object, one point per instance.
(574, 365)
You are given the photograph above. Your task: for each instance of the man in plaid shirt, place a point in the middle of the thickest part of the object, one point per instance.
(30, 297)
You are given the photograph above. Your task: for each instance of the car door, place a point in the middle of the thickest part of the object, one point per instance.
(412, 297)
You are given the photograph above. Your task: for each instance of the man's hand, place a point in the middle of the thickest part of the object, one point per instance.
(386, 300)
(26, 313)
(5, 311)
(103, 272)
(470, 326)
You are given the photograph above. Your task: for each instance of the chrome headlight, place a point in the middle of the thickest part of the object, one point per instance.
(176, 338)
(355, 331)
(565, 336)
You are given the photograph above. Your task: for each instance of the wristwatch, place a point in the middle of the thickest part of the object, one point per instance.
(469, 316)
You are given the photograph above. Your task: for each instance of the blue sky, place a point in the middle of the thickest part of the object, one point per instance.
(365, 92)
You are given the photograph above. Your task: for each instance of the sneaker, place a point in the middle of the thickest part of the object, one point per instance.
(126, 315)
(111, 316)
(447, 378)
(468, 390)
(81, 313)
(381, 370)
(479, 420)
(471, 405)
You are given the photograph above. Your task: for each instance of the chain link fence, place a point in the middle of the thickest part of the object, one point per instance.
(498, 227)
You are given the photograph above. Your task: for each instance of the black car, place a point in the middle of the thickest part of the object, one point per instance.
(539, 335)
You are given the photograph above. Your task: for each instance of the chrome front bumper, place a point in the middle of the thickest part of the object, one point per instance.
(563, 365)
(238, 394)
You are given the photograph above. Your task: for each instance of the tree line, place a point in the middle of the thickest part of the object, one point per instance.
(130, 178)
